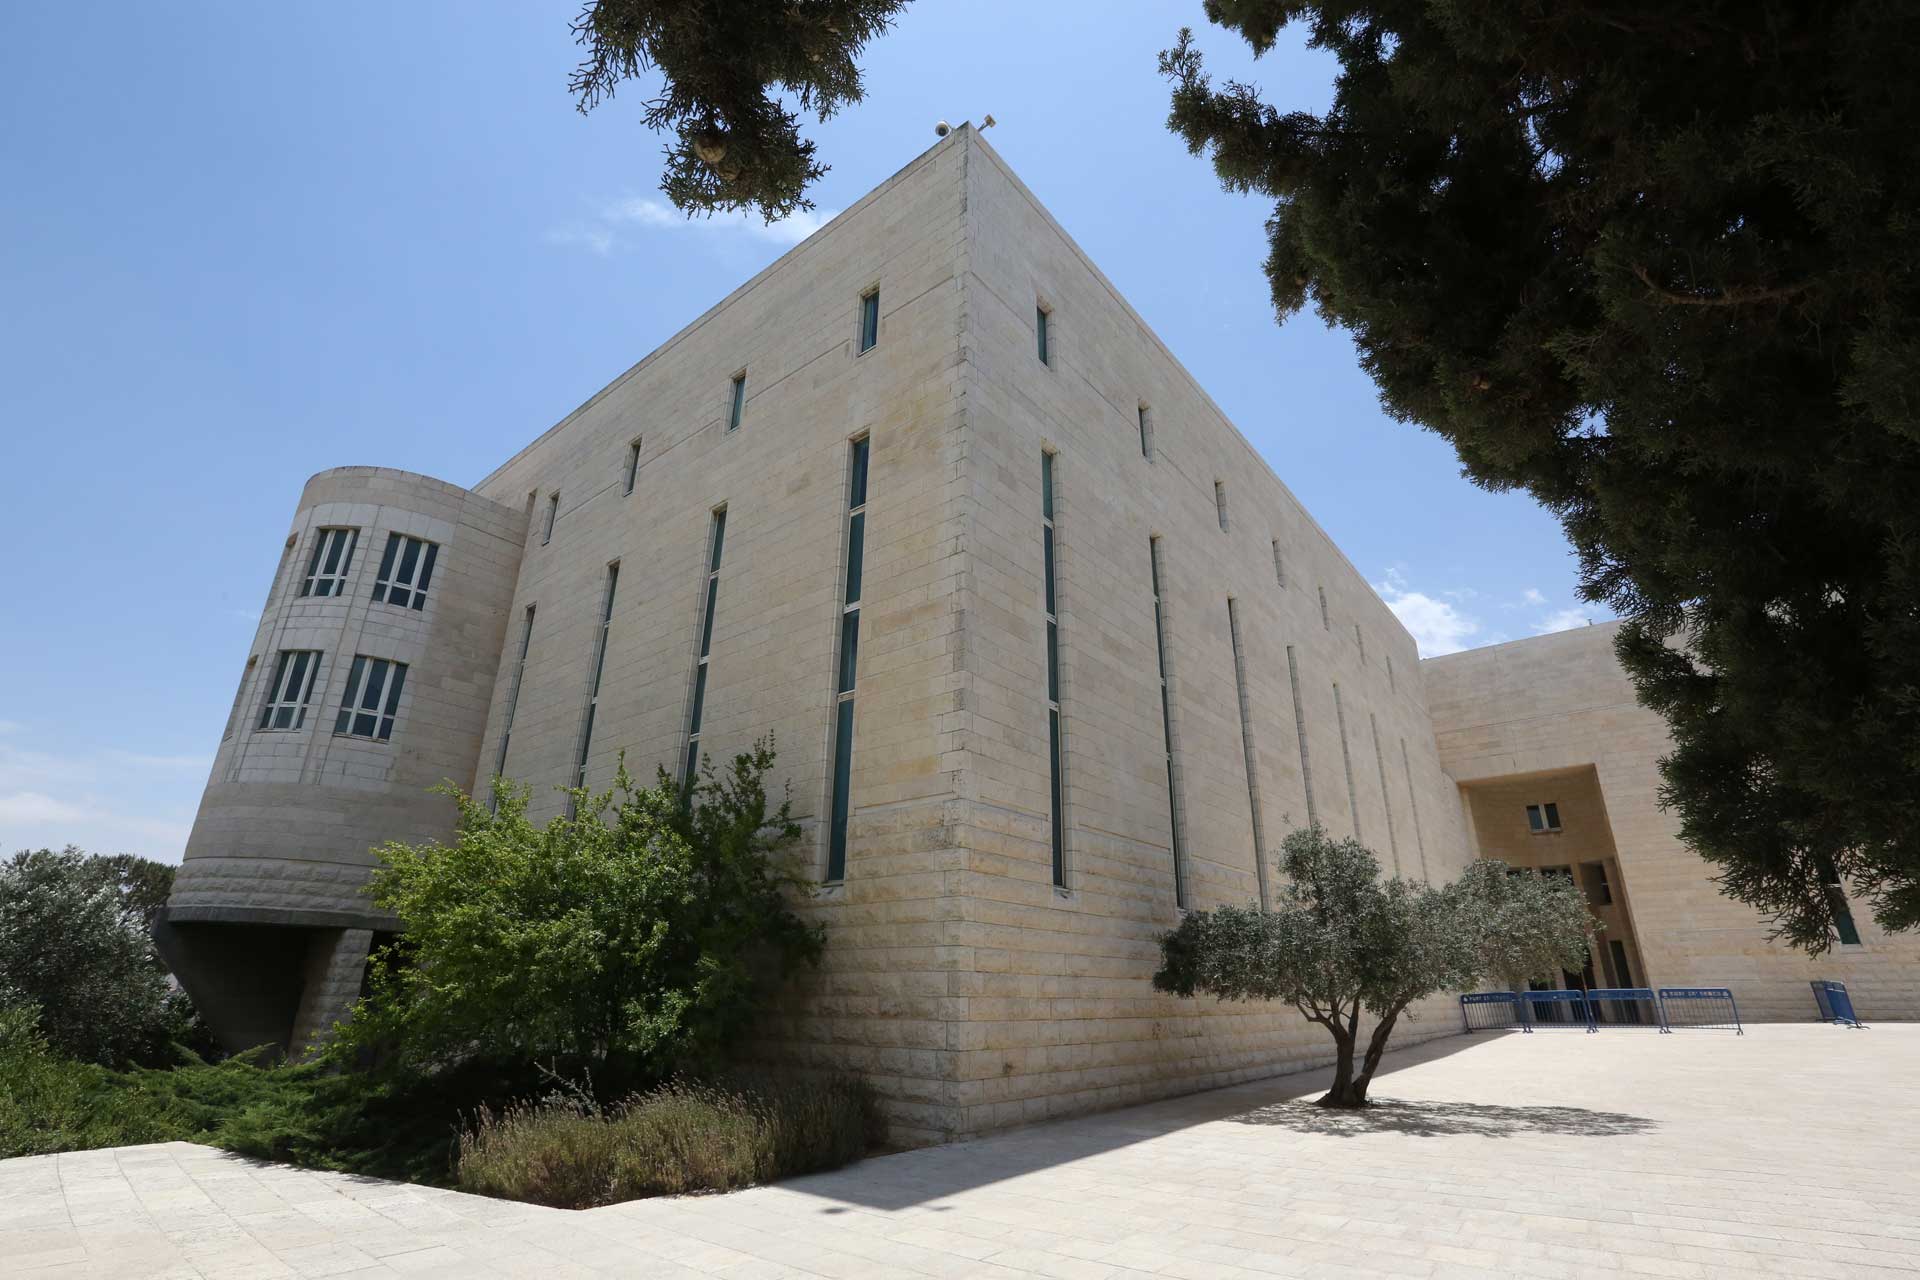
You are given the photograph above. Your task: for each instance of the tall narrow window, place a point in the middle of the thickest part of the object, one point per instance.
(1413, 807)
(1279, 566)
(1843, 925)
(593, 684)
(1386, 796)
(1326, 623)
(405, 570)
(1300, 735)
(1248, 754)
(1040, 327)
(633, 463)
(327, 567)
(1346, 758)
(1220, 503)
(1360, 641)
(1146, 433)
(1166, 729)
(848, 664)
(1056, 795)
(1393, 685)
(736, 401)
(513, 703)
(372, 698)
(716, 539)
(553, 514)
(869, 320)
(291, 690)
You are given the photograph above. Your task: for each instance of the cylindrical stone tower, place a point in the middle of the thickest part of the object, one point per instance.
(368, 684)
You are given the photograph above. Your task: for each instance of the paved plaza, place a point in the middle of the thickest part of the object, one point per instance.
(1792, 1150)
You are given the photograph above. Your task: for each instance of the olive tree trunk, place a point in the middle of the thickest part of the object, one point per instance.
(1350, 1086)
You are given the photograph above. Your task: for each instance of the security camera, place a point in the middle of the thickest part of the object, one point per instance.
(942, 129)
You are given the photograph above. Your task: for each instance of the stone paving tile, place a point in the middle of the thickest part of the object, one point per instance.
(1790, 1151)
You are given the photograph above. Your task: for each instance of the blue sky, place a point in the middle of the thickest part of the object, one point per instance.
(240, 243)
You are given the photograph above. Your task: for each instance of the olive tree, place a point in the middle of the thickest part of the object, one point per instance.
(1530, 925)
(1341, 940)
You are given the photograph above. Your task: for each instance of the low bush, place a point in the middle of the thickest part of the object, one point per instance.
(567, 1153)
(50, 1103)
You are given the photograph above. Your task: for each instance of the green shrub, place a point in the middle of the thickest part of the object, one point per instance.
(680, 1137)
(638, 938)
(74, 945)
(50, 1103)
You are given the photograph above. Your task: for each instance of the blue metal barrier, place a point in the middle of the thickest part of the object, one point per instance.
(1699, 1008)
(1835, 1005)
(1492, 1011)
(1625, 1007)
(1559, 1009)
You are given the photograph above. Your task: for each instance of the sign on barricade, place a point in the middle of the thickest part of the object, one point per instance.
(1700, 1008)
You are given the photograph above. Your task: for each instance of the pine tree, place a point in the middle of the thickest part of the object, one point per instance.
(1653, 263)
(725, 63)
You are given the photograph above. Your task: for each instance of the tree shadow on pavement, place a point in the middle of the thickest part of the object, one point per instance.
(1443, 1119)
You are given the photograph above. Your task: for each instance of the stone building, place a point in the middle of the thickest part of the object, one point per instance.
(1048, 651)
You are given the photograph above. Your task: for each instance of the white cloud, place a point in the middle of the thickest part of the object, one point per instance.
(1438, 625)
(1566, 620)
(610, 228)
(106, 801)
(1532, 596)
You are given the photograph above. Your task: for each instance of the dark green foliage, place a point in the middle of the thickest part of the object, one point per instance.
(1340, 940)
(74, 947)
(1337, 941)
(638, 938)
(726, 65)
(1654, 264)
(677, 1138)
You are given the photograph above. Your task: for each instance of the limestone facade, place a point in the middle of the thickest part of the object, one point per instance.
(977, 974)
(1555, 716)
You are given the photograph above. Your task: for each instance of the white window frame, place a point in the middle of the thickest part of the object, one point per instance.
(371, 682)
(407, 561)
(332, 580)
(291, 691)
(1548, 811)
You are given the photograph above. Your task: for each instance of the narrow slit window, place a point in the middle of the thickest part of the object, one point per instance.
(1220, 503)
(736, 401)
(633, 464)
(553, 514)
(869, 320)
(593, 683)
(1166, 730)
(1393, 685)
(1300, 735)
(291, 690)
(1360, 641)
(372, 698)
(1249, 756)
(1326, 620)
(1346, 759)
(1146, 433)
(406, 569)
(846, 665)
(513, 704)
(716, 540)
(1057, 816)
(1041, 325)
(1279, 566)
(327, 567)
